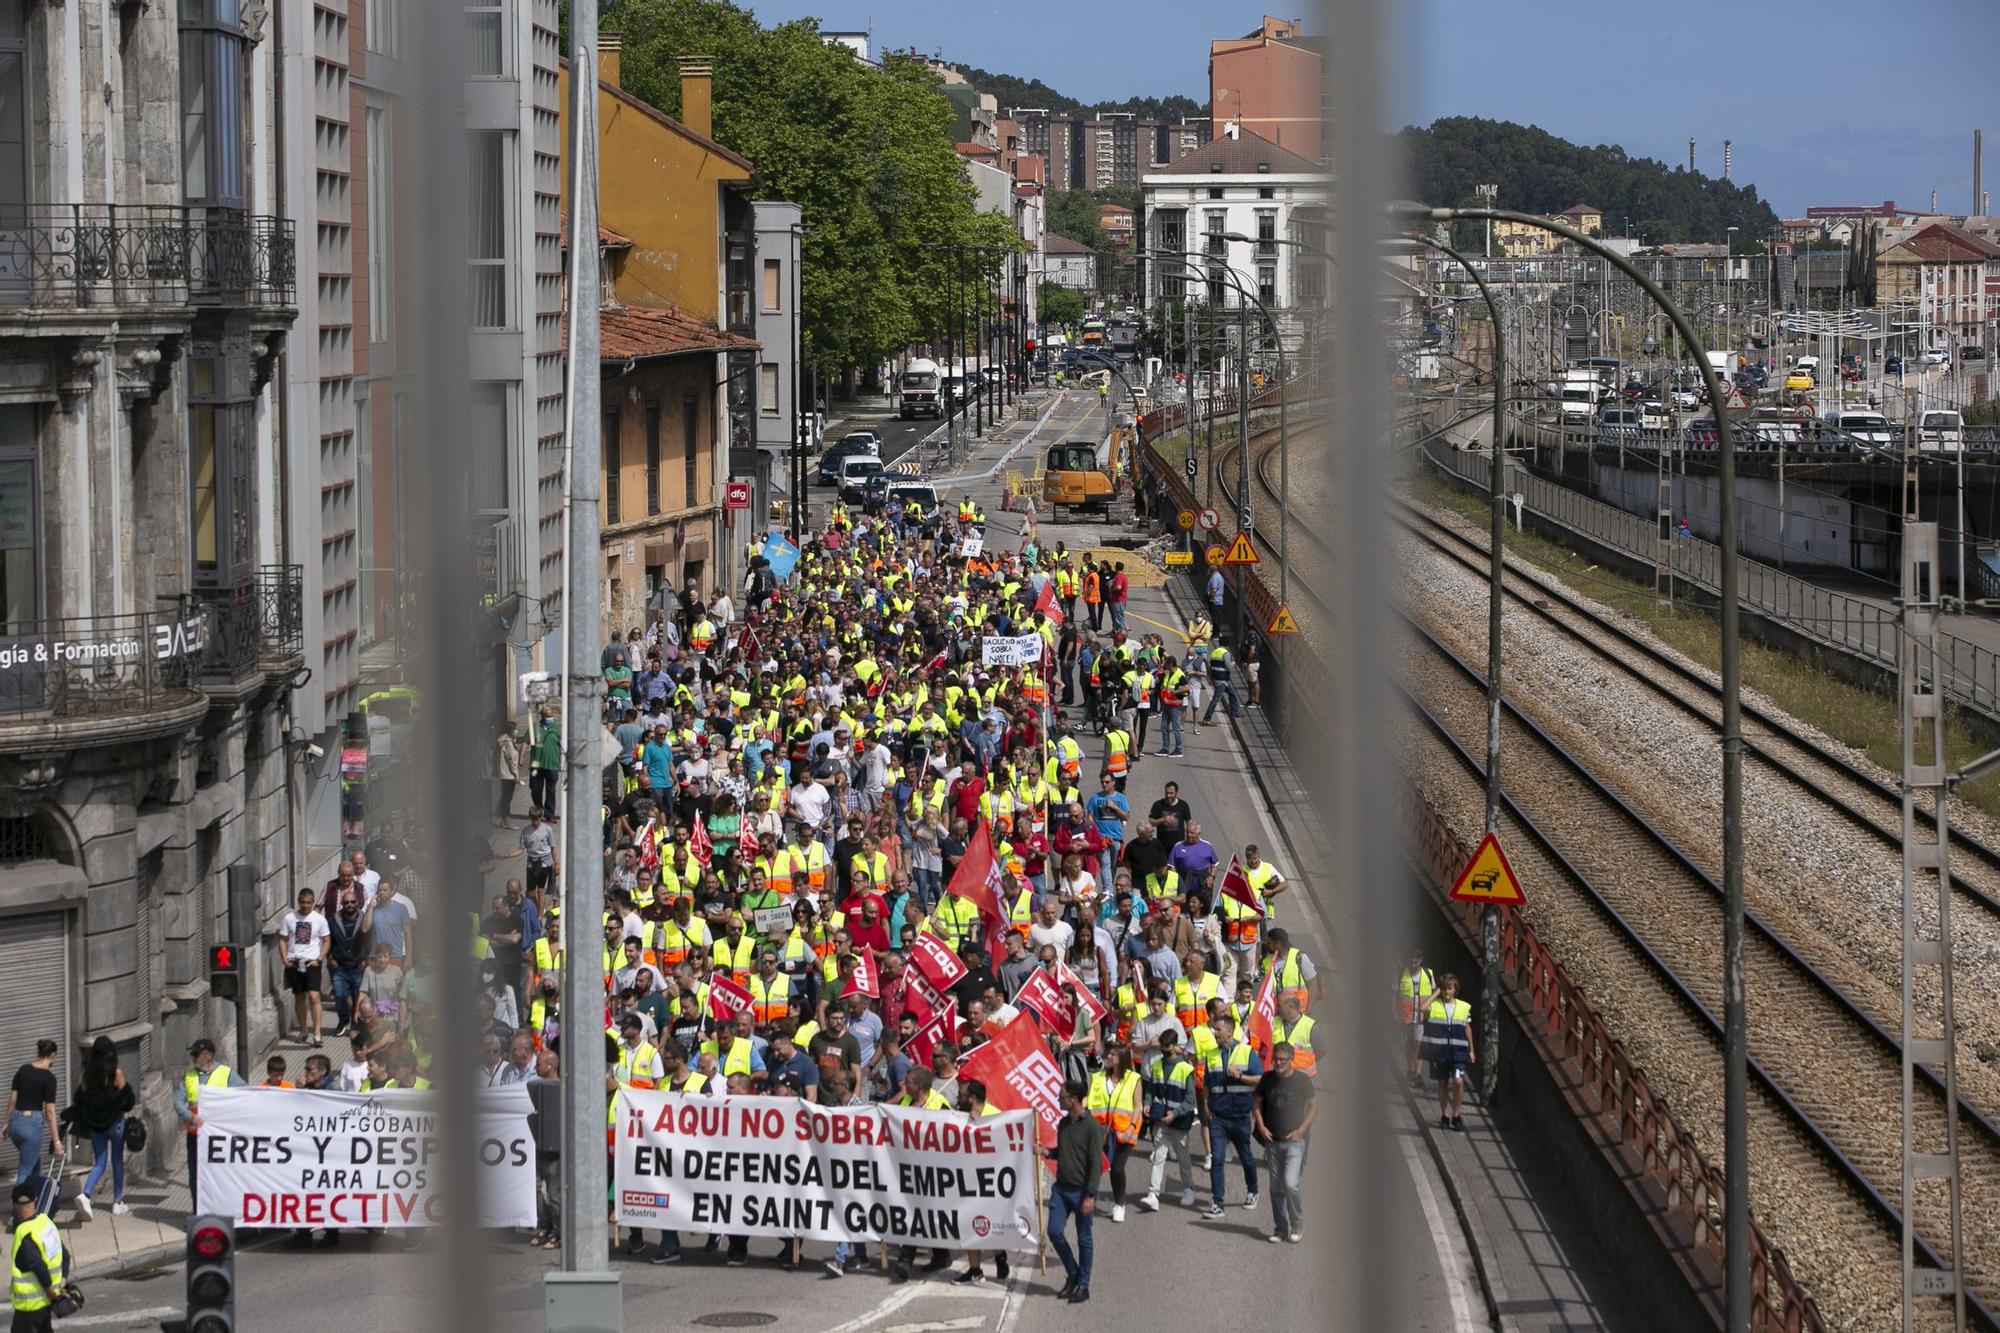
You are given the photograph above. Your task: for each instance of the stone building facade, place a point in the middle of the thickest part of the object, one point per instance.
(151, 627)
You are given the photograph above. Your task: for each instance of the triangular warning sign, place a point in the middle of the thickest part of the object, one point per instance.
(1241, 552)
(1282, 623)
(1487, 878)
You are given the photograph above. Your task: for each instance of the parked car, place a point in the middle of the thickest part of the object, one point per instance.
(1798, 380)
(861, 444)
(1870, 428)
(1937, 356)
(1618, 424)
(1892, 365)
(1972, 354)
(1941, 430)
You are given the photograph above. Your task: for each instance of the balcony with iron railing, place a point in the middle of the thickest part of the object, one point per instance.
(255, 628)
(79, 256)
(63, 679)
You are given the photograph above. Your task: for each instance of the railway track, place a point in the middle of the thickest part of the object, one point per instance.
(1827, 1077)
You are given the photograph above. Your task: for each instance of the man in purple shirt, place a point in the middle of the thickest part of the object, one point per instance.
(1194, 857)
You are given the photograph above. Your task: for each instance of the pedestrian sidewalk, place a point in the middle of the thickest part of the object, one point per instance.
(151, 1232)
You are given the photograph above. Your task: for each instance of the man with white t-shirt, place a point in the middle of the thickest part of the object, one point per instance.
(809, 803)
(306, 941)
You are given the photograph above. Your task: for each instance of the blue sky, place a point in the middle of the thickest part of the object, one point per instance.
(1842, 101)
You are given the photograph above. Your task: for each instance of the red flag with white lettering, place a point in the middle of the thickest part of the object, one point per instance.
(933, 958)
(977, 881)
(726, 999)
(1042, 997)
(700, 845)
(1019, 1073)
(1264, 1014)
(1236, 884)
(865, 979)
(940, 1026)
(1047, 604)
(1098, 1009)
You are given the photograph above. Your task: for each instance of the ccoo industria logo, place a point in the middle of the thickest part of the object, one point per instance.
(644, 1200)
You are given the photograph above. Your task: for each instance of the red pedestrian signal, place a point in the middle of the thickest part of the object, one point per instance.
(225, 974)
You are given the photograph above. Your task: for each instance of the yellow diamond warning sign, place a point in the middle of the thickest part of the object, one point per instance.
(1241, 552)
(1487, 878)
(1283, 622)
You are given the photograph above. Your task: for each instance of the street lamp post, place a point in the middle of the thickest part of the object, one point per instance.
(1736, 1136)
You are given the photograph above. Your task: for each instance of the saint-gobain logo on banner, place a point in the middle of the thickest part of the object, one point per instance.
(645, 1201)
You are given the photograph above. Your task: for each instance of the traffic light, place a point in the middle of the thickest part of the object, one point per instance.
(225, 971)
(211, 1274)
(1030, 344)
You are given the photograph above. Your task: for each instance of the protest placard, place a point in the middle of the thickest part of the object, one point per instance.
(296, 1157)
(763, 1166)
(1010, 650)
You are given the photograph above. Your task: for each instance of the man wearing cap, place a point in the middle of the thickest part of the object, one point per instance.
(203, 1073)
(38, 1270)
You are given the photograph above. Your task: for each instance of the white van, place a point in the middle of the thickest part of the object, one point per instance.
(1578, 401)
(1866, 427)
(1807, 365)
(1941, 430)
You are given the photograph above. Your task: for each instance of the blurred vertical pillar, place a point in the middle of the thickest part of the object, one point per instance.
(439, 403)
(1371, 927)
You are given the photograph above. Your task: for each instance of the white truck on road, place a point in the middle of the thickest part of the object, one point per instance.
(922, 389)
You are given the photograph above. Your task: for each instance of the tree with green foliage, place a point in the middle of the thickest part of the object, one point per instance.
(864, 152)
(1056, 305)
(1539, 173)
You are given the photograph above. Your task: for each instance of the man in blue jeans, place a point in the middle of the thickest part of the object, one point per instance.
(1229, 1096)
(1079, 1159)
(1220, 683)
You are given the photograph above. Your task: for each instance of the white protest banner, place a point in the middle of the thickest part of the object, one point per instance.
(763, 1166)
(1019, 650)
(295, 1157)
(773, 920)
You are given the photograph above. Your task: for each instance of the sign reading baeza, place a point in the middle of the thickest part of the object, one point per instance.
(757, 1166)
(285, 1157)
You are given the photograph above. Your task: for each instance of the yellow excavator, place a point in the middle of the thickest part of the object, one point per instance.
(1081, 474)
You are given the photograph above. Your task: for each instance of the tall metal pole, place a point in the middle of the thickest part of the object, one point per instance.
(585, 1285)
(978, 376)
(1246, 520)
(956, 353)
(1736, 1081)
(797, 507)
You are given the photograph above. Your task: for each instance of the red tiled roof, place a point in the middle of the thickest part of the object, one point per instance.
(605, 236)
(1239, 157)
(631, 333)
(1053, 244)
(972, 149)
(1941, 241)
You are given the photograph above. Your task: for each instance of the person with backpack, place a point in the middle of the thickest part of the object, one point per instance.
(98, 1108)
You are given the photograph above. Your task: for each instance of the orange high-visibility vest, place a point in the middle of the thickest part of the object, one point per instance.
(772, 1003)
(1117, 1109)
(1091, 592)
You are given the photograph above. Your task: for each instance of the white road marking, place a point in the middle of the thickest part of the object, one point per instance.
(1007, 457)
(147, 1317)
(888, 1306)
(1455, 1266)
(1010, 1313)
(939, 1325)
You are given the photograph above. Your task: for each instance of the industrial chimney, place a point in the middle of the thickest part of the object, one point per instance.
(1690, 157)
(1978, 153)
(1725, 158)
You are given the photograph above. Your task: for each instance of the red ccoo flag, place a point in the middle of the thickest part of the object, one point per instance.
(1019, 1073)
(933, 958)
(747, 846)
(864, 979)
(1047, 604)
(977, 881)
(726, 999)
(1264, 1013)
(699, 843)
(1236, 884)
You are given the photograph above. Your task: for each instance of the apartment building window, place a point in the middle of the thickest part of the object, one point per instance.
(491, 448)
(380, 306)
(212, 102)
(613, 464)
(767, 389)
(1267, 232)
(383, 22)
(486, 41)
(690, 438)
(222, 467)
(774, 286)
(1267, 282)
(487, 246)
(13, 106)
(652, 456)
(21, 533)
